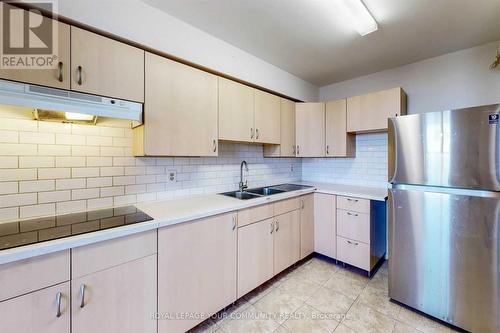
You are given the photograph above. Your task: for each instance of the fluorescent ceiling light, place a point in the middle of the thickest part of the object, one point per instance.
(360, 16)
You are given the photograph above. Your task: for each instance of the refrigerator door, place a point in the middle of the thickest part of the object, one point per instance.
(445, 254)
(457, 148)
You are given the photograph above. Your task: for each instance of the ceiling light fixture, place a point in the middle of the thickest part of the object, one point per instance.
(359, 14)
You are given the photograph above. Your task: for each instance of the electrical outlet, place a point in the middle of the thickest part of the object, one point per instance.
(291, 167)
(172, 176)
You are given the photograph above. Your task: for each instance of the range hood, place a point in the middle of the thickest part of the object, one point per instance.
(52, 101)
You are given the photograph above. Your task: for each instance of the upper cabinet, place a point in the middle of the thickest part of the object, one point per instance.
(58, 77)
(236, 111)
(286, 148)
(310, 129)
(338, 142)
(369, 113)
(267, 118)
(103, 66)
(180, 111)
(247, 114)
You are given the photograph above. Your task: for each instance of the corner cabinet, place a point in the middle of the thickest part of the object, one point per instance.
(310, 129)
(180, 111)
(286, 148)
(370, 112)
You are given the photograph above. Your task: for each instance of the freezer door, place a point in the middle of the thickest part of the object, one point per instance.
(457, 148)
(444, 255)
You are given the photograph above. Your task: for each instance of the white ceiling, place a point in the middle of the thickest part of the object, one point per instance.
(312, 39)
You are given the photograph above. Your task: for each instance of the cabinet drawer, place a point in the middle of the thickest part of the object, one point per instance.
(285, 206)
(353, 252)
(353, 204)
(96, 257)
(32, 274)
(353, 225)
(254, 214)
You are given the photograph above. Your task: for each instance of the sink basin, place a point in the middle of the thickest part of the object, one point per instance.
(265, 191)
(241, 195)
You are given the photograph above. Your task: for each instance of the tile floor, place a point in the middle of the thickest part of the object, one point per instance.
(319, 296)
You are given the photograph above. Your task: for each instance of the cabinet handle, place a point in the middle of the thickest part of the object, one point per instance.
(293, 147)
(351, 214)
(353, 200)
(60, 71)
(251, 133)
(272, 227)
(82, 295)
(301, 204)
(58, 304)
(257, 134)
(298, 150)
(79, 72)
(234, 222)
(352, 243)
(328, 150)
(277, 225)
(215, 146)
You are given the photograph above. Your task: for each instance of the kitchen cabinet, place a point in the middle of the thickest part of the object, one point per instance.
(286, 240)
(325, 233)
(306, 225)
(43, 311)
(196, 269)
(254, 214)
(310, 129)
(118, 299)
(103, 66)
(58, 77)
(369, 113)
(236, 111)
(267, 118)
(286, 148)
(180, 115)
(255, 255)
(339, 143)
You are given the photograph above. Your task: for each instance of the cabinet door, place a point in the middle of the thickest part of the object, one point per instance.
(370, 112)
(107, 67)
(267, 118)
(236, 111)
(255, 255)
(58, 77)
(338, 142)
(306, 225)
(196, 269)
(120, 299)
(286, 240)
(286, 148)
(325, 234)
(180, 115)
(310, 129)
(37, 312)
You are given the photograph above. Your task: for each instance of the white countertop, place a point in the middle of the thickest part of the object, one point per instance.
(170, 212)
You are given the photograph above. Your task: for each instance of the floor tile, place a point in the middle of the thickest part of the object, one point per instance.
(380, 281)
(403, 328)
(208, 326)
(249, 320)
(232, 310)
(343, 329)
(308, 319)
(379, 300)
(282, 329)
(259, 292)
(330, 302)
(349, 283)
(317, 271)
(421, 323)
(279, 305)
(362, 318)
(300, 288)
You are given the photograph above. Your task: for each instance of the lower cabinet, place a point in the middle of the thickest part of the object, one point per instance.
(196, 271)
(121, 299)
(325, 226)
(306, 225)
(286, 240)
(255, 255)
(43, 311)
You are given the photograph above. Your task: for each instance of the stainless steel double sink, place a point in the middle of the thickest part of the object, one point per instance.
(259, 192)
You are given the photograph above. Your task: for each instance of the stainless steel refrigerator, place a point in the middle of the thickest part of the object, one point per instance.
(444, 215)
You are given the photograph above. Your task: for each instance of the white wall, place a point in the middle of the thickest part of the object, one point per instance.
(142, 23)
(458, 79)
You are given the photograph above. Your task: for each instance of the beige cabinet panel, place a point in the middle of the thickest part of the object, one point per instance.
(353, 225)
(58, 77)
(353, 252)
(254, 214)
(369, 113)
(325, 235)
(236, 111)
(196, 269)
(306, 225)
(286, 148)
(180, 115)
(338, 142)
(286, 240)
(255, 255)
(120, 299)
(310, 129)
(107, 67)
(37, 312)
(267, 118)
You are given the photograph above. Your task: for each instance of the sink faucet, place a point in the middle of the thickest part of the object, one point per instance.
(243, 185)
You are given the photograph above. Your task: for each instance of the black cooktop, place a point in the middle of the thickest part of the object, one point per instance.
(25, 232)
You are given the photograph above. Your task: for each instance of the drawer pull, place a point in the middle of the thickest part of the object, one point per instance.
(60, 77)
(58, 304)
(272, 227)
(234, 222)
(352, 243)
(353, 200)
(82, 295)
(351, 214)
(277, 225)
